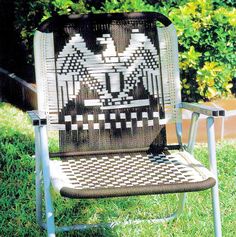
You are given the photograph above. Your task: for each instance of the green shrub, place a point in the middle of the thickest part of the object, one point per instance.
(206, 31)
(29, 14)
(127, 6)
(213, 80)
(207, 43)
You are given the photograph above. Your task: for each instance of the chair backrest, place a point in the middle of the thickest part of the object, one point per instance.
(108, 81)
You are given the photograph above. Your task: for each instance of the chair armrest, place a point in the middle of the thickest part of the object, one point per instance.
(37, 117)
(202, 109)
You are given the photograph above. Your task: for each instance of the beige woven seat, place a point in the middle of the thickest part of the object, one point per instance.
(125, 174)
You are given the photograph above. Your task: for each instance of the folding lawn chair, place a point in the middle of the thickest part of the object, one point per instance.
(109, 84)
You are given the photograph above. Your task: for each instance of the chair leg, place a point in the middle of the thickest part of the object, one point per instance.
(38, 178)
(213, 168)
(38, 199)
(193, 132)
(216, 211)
(182, 201)
(49, 213)
(46, 181)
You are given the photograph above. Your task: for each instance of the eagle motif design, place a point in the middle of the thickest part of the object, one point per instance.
(112, 75)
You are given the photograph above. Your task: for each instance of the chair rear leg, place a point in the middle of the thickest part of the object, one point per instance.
(182, 201)
(179, 210)
(213, 168)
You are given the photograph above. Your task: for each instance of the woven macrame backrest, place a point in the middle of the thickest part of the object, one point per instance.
(107, 81)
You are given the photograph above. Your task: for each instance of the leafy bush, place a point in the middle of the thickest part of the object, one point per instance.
(207, 43)
(213, 80)
(206, 31)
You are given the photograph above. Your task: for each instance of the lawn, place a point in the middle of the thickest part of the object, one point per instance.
(17, 194)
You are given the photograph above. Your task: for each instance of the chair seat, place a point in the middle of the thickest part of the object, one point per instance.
(126, 174)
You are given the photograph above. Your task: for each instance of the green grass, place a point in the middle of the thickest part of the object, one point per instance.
(17, 194)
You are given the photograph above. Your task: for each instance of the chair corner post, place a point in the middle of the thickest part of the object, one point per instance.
(38, 178)
(213, 168)
(193, 132)
(178, 125)
(50, 223)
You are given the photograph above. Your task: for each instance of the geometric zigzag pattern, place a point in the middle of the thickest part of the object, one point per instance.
(98, 121)
(127, 170)
(112, 75)
(167, 51)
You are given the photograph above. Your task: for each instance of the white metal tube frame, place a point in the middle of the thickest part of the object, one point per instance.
(38, 170)
(213, 168)
(44, 157)
(193, 132)
(206, 110)
(42, 164)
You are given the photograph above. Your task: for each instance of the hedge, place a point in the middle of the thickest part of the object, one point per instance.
(206, 31)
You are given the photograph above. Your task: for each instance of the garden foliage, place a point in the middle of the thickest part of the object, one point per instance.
(206, 31)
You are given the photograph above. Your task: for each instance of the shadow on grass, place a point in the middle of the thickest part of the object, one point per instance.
(98, 232)
(75, 212)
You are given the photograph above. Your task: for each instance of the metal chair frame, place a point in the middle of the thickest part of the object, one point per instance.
(43, 171)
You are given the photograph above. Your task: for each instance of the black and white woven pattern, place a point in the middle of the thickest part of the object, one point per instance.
(112, 75)
(130, 170)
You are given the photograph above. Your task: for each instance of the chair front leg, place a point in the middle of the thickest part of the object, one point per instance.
(46, 178)
(38, 180)
(213, 168)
